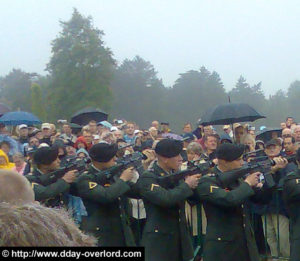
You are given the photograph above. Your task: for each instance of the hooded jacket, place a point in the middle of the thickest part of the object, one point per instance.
(7, 165)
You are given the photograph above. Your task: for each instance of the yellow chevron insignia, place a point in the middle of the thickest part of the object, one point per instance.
(213, 187)
(92, 185)
(153, 186)
(34, 184)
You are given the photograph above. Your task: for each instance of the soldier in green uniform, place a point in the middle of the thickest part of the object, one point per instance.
(166, 235)
(229, 235)
(105, 198)
(50, 192)
(291, 195)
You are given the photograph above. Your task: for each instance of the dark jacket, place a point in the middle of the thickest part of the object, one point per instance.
(105, 201)
(229, 235)
(165, 235)
(277, 204)
(51, 195)
(198, 133)
(291, 195)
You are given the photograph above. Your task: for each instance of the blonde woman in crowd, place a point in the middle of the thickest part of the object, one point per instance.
(249, 141)
(20, 163)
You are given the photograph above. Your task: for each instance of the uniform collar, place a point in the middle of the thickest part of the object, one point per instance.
(94, 168)
(38, 172)
(159, 170)
(217, 170)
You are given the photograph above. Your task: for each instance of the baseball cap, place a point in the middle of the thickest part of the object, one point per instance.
(23, 126)
(46, 126)
(137, 131)
(43, 145)
(272, 142)
(106, 124)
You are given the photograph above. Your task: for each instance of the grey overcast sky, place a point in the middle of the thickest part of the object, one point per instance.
(259, 39)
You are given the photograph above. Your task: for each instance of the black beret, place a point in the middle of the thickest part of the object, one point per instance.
(168, 148)
(229, 151)
(103, 152)
(45, 156)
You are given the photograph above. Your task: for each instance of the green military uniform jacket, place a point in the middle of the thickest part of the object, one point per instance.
(49, 194)
(105, 202)
(165, 235)
(229, 235)
(291, 195)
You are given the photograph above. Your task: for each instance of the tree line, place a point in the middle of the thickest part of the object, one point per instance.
(83, 72)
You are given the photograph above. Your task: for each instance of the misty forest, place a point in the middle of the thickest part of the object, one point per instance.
(82, 72)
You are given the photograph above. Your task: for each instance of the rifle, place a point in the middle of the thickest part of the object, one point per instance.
(193, 168)
(262, 165)
(131, 160)
(125, 146)
(73, 164)
(252, 154)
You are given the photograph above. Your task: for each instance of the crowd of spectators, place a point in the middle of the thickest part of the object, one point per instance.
(17, 146)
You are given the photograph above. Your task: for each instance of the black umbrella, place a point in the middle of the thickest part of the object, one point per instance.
(75, 126)
(4, 109)
(266, 134)
(84, 116)
(229, 113)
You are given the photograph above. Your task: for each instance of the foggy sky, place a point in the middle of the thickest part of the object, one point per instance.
(256, 38)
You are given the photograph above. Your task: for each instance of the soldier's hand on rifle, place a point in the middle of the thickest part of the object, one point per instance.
(70, 176)
(280, 163)
(259, 185)
(253, 179)
(150, 155)
(215, 161)
(193, 180)
(127, 174)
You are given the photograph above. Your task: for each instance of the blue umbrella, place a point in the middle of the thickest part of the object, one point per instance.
(19, 117)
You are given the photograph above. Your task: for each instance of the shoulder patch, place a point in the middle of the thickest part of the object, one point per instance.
(211, 189)
(153, 186)
(34, 184)
(92, 185)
